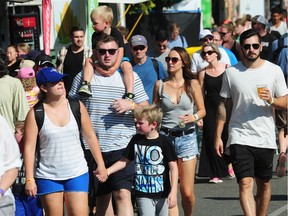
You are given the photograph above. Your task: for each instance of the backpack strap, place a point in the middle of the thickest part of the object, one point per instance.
(75, 108)
(156, 67)
(182, 40)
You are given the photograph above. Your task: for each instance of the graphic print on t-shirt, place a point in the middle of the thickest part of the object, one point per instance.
(149, 167)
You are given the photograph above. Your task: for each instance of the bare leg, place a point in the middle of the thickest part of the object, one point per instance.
(123, 202)
(76, 203)
(283, 142)
(187, 176)
(53, 204)
(104, 205)
(247, 200)
(263, 196)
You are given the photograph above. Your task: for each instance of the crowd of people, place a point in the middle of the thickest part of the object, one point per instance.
(123, 118)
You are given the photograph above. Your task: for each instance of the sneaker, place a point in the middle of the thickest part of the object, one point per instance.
(231, 173)
(85, 90)
(281, 165)
(215, 180)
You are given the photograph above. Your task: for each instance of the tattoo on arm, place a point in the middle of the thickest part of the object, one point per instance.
(224, 107)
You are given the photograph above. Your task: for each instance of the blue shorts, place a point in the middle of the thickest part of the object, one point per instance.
(186, 146)
(77, 184)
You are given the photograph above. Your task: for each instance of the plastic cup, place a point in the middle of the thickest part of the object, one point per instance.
(260, 87)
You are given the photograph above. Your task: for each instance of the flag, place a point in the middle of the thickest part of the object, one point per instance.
(46, 21)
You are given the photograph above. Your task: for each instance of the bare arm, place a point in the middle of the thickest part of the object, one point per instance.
(30, 139)
(90, 137)
(8, 178)
(123, 105)
(156, 97)
(121, 164)
(198, 98)
(172, 197)
(223, 108)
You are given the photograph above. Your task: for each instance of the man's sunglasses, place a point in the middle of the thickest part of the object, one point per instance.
(160, 46)
(104, 51)
(210, 52)
(173, 59)
(248, 46)
(140, 47)
(207, 39)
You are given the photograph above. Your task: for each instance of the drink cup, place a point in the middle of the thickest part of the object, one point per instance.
(260, 87)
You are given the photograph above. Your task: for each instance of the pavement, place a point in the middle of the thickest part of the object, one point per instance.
(222, 199)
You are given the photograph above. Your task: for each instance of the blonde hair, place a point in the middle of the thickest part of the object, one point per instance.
(28, 83)
(25, 47)
(105, 12)
(151, 113)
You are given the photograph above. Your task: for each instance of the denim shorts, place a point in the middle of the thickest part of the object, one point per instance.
(186, 146)
(77, 184)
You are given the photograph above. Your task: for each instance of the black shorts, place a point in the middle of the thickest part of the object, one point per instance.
(123, 179)
(252, 162)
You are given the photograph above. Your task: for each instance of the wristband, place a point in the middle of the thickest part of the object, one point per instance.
(196, 117)
(129, 95)
(30, 180)
(271, 102)
(2, 192)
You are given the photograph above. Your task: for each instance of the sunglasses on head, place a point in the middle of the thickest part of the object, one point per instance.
(174, 60)
(140, 47)
(248, 46)
(104, 51)
(210, 52)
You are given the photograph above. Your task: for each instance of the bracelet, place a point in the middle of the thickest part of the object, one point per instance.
(271, 102)
(132, 105)
(196, 117)
(2, 192)
(30, 180)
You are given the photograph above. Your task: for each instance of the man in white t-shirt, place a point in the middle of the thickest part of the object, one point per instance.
(206, 37)
(113, 122)
(252, 140)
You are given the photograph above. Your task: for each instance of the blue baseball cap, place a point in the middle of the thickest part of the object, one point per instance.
(48, 75)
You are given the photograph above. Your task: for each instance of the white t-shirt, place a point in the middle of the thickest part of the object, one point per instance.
(198, 63)
(252, 121)
(9, 154)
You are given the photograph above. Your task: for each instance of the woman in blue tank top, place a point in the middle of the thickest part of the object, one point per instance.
(177, 96)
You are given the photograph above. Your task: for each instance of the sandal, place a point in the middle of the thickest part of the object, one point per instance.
(281, 165)
(215, 180)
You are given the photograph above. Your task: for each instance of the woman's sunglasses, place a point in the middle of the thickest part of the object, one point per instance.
(104, 51)
(248, 46)
(174, 60)
(140, 47)
(210, 52)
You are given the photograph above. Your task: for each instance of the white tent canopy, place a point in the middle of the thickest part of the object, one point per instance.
(122, 1)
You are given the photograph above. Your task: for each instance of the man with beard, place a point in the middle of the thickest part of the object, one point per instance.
(252, 140)
(71, 59)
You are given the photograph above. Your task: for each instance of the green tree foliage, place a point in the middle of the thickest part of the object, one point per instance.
(157, 5)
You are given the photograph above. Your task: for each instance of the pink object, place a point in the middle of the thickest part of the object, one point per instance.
(25, 73)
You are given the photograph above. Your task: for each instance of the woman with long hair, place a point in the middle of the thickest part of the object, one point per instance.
(177, 96)
(61, 172)
(210, 79)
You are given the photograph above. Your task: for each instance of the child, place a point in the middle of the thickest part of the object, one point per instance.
(28, 80)
(154, 158)
(101, 19)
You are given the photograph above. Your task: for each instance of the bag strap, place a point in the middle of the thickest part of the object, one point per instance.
(156, 67)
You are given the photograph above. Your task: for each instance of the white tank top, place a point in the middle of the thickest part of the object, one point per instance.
(61, 154)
